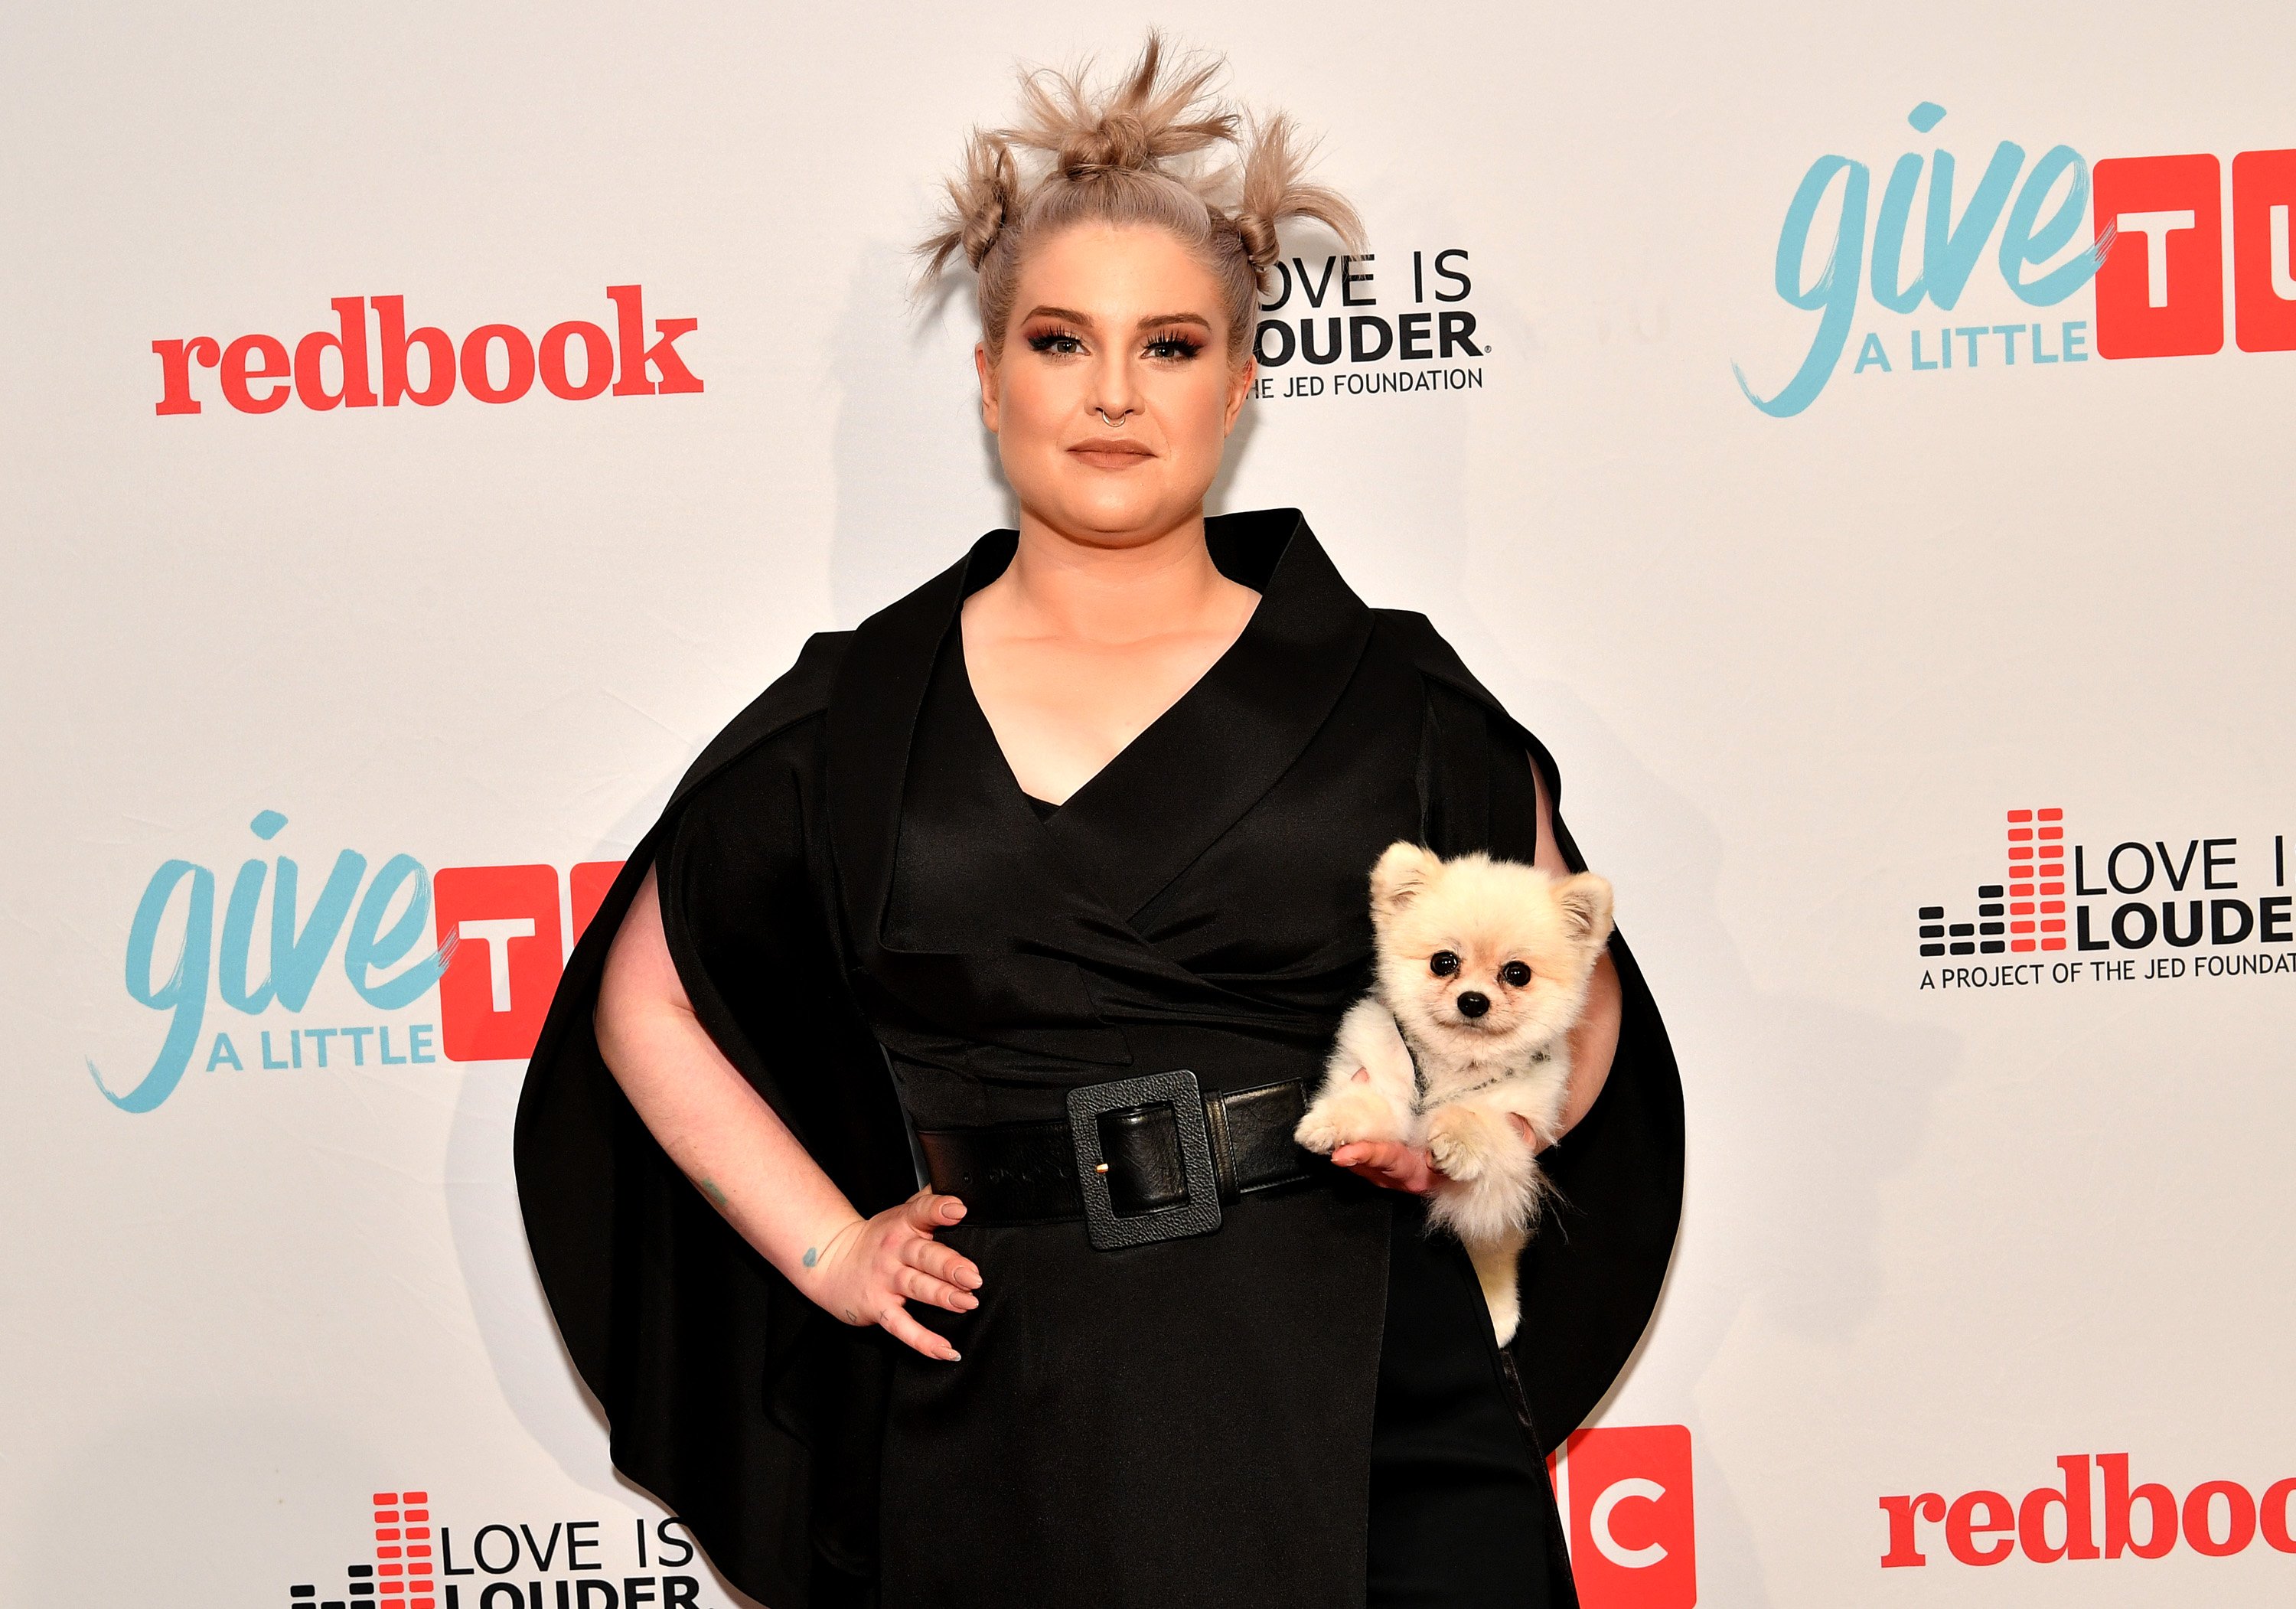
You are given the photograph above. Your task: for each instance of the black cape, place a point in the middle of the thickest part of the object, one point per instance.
(853, 883)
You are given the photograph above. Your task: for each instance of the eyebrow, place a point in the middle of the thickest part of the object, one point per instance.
(1156, 321)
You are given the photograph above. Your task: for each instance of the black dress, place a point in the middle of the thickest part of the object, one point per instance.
(852, 881)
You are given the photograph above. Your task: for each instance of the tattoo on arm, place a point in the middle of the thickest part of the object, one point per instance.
(812, 1255)
(717, 1196)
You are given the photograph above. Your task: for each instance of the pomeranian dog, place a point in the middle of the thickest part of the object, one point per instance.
(1481, 972)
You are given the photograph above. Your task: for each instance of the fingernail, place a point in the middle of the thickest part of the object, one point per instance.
(967, 1303)
(954, 1356)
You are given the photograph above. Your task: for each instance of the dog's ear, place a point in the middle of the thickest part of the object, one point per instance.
(1586, 902)
(1401, 876)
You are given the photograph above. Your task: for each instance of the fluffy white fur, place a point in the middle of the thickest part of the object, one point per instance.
(1481, 973)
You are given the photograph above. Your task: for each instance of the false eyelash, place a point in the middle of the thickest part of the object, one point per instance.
(1043, 341)
(1186, 348)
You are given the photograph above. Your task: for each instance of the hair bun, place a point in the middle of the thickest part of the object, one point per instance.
(1160, 147)
(1161, 110)
(982, 201)
(1258, 234)
(1273, 184)
(1118, 142)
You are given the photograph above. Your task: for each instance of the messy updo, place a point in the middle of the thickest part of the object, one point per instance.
(1159, 149)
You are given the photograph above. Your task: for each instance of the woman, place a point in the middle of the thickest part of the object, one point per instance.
(1073, 840)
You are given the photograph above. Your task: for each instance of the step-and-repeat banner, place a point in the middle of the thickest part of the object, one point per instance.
(1859, 444)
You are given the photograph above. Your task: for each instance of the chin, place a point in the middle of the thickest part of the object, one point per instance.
(1122, 507)
(1119, 507)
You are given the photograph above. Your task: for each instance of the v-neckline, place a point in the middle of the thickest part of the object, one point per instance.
(1227, 655)
(1179, 784)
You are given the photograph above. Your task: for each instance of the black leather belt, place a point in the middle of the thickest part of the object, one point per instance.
(1139, 1160)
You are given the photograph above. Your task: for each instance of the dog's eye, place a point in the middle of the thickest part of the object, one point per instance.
(1514, 974)
(1443, 963)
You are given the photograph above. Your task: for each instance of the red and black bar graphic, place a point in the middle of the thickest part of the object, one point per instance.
(2027, 912)
(400, 1577)
(402, 1549)
(2036, 880)
(1978, 937)
(358, 1595)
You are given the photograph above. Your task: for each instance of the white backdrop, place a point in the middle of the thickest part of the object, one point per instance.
(1797, 670)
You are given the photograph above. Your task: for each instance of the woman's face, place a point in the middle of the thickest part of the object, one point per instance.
(1113, 394)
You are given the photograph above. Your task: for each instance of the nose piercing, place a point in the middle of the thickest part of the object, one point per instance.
(1116, 423)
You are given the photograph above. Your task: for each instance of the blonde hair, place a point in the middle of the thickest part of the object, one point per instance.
(1147, 150)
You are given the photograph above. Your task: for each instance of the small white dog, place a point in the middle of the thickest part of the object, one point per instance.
(1483, 968)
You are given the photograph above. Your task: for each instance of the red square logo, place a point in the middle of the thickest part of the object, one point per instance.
(1632, 1539)
(2160, 292)
(587, 885)
(2263, 255)
(503, 923)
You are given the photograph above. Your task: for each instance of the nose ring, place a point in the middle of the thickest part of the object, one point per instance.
(1116, 423)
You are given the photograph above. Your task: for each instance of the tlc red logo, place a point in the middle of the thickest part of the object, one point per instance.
(1627, 1493)
(499, 930)
(2143, 1520)
(342, 367)
(2160, 292)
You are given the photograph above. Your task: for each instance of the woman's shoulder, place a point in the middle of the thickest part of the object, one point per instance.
(1413, 636)
(1462, 714)
(797, 698)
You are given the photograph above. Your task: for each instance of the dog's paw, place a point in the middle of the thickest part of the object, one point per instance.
(1317, 1132)
(1352, 1112)
(1459, 1143)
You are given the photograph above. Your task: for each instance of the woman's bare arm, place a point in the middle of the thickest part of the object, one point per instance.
(1594, 1041)
(740, 1153)
(1594, 1045)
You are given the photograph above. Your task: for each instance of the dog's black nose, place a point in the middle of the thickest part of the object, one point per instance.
(1473, 1005)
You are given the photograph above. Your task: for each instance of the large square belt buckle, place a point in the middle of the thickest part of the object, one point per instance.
(1200, 1214)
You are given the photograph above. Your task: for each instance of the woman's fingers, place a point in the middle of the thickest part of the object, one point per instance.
(897, 1324)
(942, 1262)
(926, 1210)
(918, 1285)
(1388, 1163)
(1530, 1135)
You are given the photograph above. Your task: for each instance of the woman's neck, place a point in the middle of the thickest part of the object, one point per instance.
(1064, 586)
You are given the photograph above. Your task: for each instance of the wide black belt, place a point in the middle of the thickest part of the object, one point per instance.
(1139, 1160)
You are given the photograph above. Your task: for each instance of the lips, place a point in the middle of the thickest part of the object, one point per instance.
(1110, 454)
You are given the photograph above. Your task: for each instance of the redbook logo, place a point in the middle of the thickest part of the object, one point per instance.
(1627, 1494)
(2094, 1511)
(345, 367)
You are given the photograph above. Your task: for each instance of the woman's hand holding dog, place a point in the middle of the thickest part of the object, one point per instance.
(1393, 1165)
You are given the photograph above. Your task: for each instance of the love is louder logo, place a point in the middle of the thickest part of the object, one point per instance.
(417, 1561)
